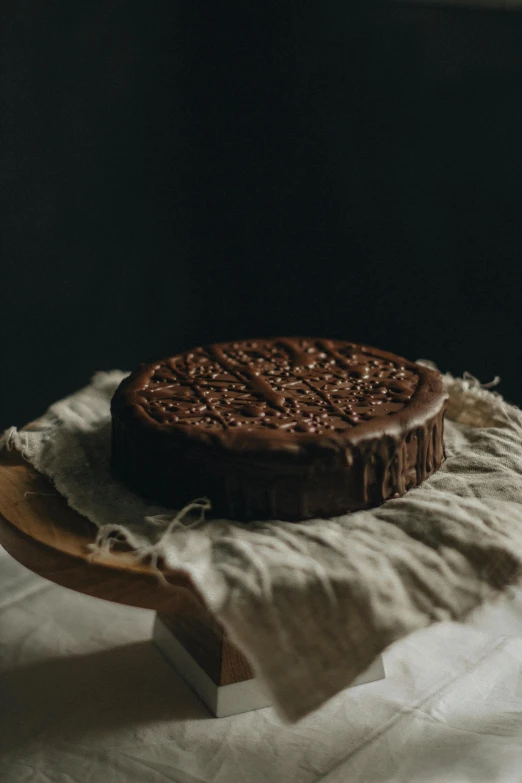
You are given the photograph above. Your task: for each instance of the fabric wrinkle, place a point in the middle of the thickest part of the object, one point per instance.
(312, 603)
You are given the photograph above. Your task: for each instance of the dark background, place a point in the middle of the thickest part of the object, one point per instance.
(185, 172)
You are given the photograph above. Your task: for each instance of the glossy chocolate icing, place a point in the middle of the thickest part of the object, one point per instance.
(285, 428)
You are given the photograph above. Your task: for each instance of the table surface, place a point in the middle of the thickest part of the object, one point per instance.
(86, 696)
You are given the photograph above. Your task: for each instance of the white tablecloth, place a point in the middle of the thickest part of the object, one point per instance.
(86, 698)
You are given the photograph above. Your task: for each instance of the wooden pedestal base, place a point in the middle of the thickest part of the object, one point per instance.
(222, 700)
(204, 662)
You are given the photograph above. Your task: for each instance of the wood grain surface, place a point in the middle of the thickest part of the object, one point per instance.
(43, 533)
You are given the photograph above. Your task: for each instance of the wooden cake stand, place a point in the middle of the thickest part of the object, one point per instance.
(43, 533)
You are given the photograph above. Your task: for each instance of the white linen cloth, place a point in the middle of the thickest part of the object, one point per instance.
(311, 604)
(85, 697)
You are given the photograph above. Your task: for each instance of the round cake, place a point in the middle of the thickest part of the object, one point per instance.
(286, 428)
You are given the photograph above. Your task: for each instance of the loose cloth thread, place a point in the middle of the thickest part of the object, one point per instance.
(311, 604)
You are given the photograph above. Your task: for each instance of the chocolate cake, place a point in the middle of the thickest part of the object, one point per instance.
(286, 428)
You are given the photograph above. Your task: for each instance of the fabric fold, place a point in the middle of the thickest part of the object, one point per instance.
(311, 604)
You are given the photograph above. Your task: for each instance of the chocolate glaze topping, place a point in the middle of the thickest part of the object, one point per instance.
(289, 427)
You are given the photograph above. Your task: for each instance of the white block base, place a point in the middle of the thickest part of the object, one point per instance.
(225, 700)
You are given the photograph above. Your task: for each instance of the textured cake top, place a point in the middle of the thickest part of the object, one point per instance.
(280, 387)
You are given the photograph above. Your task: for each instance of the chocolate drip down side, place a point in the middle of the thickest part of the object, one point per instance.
(290, 428)
(242, 488)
